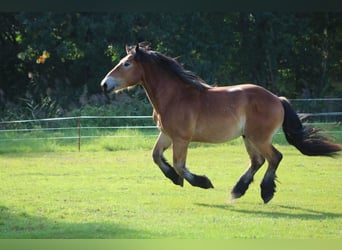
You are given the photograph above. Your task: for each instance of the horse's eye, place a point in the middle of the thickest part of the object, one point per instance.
(126, 64)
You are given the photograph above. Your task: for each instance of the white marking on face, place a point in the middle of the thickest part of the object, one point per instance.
(110, 83)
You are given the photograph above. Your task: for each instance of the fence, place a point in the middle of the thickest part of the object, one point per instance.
(75, 128)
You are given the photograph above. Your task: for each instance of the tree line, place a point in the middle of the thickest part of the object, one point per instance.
(52, 63)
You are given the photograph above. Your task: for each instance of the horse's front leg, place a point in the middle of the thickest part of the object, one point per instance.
(161, 145)
(180, 148)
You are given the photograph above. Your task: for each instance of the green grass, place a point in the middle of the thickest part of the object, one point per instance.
(108, 191)
(91, 140)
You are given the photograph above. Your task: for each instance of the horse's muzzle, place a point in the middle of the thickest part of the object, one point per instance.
(108, 84)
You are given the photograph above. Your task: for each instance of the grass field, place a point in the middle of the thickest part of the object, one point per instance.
(112, 189)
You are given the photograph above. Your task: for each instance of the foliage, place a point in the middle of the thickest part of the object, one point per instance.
(53, 62)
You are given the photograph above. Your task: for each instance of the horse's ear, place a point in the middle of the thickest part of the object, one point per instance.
(145, 45)
(137, 52)
(127, 48)
(137, 48)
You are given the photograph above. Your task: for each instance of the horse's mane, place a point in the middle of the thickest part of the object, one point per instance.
(170, 65)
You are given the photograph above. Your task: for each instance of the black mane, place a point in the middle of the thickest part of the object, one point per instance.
(171, 66)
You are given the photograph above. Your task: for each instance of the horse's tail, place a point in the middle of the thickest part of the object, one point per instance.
(306, 139)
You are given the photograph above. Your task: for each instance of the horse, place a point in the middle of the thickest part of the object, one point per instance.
(187, 109)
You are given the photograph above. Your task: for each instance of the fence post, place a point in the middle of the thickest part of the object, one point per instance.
(79, 133)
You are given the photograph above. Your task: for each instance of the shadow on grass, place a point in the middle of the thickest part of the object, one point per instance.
(278, 211)
(24, 226)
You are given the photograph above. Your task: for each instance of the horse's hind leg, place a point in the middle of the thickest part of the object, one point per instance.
(161, 145)
(257, 160)
(268, 185)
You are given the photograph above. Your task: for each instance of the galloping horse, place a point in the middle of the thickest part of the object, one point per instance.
(186, 109)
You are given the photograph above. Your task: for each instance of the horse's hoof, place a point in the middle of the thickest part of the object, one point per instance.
(267, 191)
(239, 189)
(174, 177)
(236, 195)
(208, 184)
(266, 196)
(201, 181)
(178, 181)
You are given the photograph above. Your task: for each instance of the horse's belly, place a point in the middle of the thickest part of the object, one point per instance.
(218, 132)
(214, 139)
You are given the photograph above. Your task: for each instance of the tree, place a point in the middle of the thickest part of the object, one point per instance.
(50, 62)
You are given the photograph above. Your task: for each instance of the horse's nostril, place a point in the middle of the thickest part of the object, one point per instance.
(104, 87)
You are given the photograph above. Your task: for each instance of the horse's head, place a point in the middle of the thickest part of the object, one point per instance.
(127, 73)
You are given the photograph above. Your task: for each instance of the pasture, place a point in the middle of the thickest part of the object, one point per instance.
(112, 189)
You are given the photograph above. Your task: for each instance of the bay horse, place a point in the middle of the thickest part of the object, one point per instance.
(186, 109)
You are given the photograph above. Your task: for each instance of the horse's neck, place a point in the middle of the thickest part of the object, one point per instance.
(160, 88)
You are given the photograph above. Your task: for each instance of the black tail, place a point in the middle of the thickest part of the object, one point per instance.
(306, 139)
